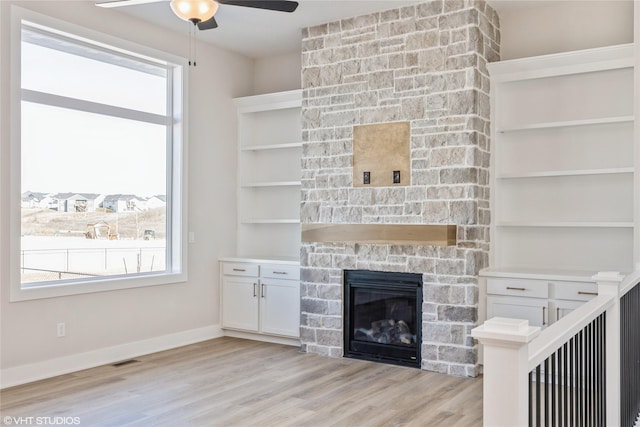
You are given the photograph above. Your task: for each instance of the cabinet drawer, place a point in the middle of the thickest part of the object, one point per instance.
(240, 269)
(576, 291)
(518, 287)
(291, 272)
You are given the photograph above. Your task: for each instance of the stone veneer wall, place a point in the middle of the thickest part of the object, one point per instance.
(425, 64)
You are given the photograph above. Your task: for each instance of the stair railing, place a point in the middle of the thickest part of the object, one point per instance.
(582, 370)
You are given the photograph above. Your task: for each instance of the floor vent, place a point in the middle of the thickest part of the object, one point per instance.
(125, 362)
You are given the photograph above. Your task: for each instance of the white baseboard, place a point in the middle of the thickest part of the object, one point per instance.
(264, 338)
(64, 365)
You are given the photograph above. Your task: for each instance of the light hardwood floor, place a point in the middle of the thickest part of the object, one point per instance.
(235, 382)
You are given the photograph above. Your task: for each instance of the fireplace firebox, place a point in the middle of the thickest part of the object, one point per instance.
(383, 316)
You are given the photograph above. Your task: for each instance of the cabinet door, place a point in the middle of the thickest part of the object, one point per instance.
(240, 303)
(280, 307)
(563, 307)
(535, 310)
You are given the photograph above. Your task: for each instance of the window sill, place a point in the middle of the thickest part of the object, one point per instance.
(112, 283)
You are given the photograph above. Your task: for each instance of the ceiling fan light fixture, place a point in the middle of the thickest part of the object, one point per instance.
(194, 10)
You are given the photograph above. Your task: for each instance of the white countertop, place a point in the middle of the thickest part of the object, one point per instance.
(263, 259)
(541, 274)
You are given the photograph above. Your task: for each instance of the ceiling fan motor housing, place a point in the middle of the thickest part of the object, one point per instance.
(194, 10)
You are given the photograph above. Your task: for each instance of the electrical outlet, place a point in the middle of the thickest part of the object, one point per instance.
(366, 178)
(396, 177)
(62, 330)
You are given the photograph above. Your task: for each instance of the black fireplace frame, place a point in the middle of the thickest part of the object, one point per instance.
(407, 283)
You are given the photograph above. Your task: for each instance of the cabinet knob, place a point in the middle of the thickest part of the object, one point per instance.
(255, 285)
(264, 293)
(587, 293)
(510, 288)
(239, 269)
(544, 311)
(280, 272)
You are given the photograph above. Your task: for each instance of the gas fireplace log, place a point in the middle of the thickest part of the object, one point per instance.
(386, 331)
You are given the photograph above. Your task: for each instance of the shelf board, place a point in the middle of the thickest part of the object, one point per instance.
(567, 224)
(568, 123)
(271, 221)
(271, 146)
(272, 184)
(269, 102)
(574, 172)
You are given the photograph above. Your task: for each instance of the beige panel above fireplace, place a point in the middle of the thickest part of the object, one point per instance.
(394, 234)
(381, 151)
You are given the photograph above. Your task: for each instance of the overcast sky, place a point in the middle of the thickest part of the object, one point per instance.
(65, 150)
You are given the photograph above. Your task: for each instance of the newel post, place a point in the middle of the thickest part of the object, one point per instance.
(506, 373)
(609, 285)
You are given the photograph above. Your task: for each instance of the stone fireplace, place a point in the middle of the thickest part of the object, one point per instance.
(426, 65)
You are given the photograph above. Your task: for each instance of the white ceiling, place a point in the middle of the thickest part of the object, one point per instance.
(261, 33)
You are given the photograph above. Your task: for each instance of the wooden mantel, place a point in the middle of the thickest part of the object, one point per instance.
(393, 234)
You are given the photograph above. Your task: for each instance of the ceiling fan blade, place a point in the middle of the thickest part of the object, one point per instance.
(118, 3)
(277, 5)
(208, 24)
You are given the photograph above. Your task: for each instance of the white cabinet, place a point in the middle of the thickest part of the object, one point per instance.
(280, 307)
(567, 296)
(518, 298)
(540, 298)
(261, 297)
(269, 174)
(240, 306)
(561, 308)
(563, 168)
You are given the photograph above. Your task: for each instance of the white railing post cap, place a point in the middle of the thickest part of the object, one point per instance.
(608, 276)
(506, 329)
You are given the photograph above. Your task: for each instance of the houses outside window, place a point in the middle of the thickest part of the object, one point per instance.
(99, 132)
(81, 205)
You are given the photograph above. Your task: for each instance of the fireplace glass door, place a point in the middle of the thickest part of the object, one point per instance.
(383, 316)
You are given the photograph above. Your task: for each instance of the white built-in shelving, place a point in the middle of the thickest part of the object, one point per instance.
(564, 181)
(563, 162)
(269, 175)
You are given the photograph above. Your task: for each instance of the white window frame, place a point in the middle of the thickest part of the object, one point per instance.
(176, 271)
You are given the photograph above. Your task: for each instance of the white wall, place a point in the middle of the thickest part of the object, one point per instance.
(278, 73)
(114, 320)
(563, 26)
(530, 29)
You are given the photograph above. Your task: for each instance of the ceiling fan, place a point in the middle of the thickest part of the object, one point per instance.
(200, 12)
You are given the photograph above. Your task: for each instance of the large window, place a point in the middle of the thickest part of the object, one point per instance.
(100, 149)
